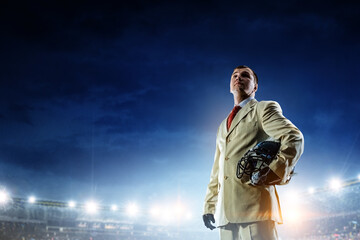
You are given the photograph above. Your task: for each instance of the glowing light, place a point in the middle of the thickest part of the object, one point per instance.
(292, 198)
(132, 209)
(91, 207)
(335, 184)
(166, 215)
(114, 207)
(4, 197)
(293, 215)
(72, 204)
(155, 211)
(175, 213)
(32, 199)
(311, 190)
(359, 177)
(178, 210)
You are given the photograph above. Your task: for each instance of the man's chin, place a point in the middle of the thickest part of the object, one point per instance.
(239, 91)
(236, 91)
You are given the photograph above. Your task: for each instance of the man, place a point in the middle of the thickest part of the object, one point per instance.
(243, 208)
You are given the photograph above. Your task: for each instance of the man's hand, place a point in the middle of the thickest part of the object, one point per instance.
(264, 177)
(258, 178)
(208, 218)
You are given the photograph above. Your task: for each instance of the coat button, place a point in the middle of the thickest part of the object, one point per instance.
(226, 158)
(226, 177)
(228, 140)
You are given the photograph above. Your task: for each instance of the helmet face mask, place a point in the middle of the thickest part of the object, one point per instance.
(257, 158)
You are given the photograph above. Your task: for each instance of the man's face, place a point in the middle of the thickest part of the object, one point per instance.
(243, 82)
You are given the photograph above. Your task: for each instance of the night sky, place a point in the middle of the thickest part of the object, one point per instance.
(121, 101)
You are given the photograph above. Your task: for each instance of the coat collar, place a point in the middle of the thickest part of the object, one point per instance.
(240, 115)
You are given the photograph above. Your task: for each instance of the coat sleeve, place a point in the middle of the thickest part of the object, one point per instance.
(291, 139)
(213, 186)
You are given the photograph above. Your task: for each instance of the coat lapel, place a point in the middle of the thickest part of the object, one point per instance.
(241, 114)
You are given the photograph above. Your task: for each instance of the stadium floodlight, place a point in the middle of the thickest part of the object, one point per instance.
(167, 215)
(32, 199)
(4, 197)
(155, 211)
(72, 204)
(311, 190)
(91, 207)
(178, 210)
(335, 184)
(132, 209)
(114, 207)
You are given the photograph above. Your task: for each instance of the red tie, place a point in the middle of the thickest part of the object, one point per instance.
(232, 115)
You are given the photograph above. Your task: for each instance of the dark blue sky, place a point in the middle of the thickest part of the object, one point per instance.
(122, 100)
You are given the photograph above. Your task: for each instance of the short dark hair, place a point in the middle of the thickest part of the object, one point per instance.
(244, 66)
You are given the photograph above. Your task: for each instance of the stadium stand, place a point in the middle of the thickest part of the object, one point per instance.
(328, 215)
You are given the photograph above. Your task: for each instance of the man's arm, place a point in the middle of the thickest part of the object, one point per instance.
(291, 139)
(212, 193)
(212, 189)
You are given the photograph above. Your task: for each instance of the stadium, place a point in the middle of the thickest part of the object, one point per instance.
(29, 218)
(326, 213)
(110, 112)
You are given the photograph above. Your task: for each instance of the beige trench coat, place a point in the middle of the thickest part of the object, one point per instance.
(235, 200)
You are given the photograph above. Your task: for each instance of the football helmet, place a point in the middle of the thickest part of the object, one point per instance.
(257, 158)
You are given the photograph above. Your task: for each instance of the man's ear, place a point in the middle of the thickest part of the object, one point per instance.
(255, 87)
